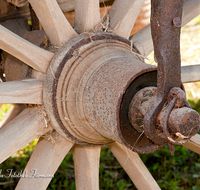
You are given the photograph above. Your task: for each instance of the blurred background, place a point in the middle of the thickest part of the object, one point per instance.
(178, 172)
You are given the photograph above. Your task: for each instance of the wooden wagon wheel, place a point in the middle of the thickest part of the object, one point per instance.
(72, 48)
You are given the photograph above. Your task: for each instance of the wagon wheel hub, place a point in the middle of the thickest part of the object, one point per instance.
(88, 90)
(84, 87)
(85, 91)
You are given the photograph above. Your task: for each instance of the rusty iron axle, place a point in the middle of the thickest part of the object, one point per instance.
(175, 119)
(88, 90)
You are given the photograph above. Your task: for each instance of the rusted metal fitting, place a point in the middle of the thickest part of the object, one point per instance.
(139, 105)
(166, 40)
(89, 86)
(179, 94)
(179, 121)
(182, 122)
(176, 99)
(88, 89)
(177, 22)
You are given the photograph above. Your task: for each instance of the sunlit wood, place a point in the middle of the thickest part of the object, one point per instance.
(87, 15)
(53, 21)
(134, 167)
(86, 161)
(143, 40)
(22, 130)
(30, 54)
(193, 144)
(190, 73)
(191, 9)
(45, 160)
(12, 112)
(122, 16)
(27, 91)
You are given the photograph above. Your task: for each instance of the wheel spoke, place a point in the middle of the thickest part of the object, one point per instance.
(190, 73)
(134, 167)
(143, 40)
(53, 21)
(22, 91)
(45, 160)
(193, 144)
(30, 54)
(23, 129)
(191, 9)
(122, 16)
(15, 110)
(86, 161)
(87, 15)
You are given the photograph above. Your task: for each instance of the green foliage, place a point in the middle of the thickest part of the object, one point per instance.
(195, 105)
(178, 172)
(16, 163)
(181, 171)
(111, 174)
(3, 109)
(196, 20)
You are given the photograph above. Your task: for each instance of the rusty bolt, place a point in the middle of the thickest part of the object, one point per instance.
(183, 122)
(181, 97)
(177, 22)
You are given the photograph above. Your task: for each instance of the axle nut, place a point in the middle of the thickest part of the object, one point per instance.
(182, 122)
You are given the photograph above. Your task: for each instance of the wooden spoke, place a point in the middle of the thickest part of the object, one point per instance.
(13, 111)
(134, 167)
(193, 144)
(9, 11)
(45, 160)
(190, 73)
(143, 40)
(87, 15)
(22, 91)
(122, 16)
(53, 21)
(23, 129)
(30, 54)
(191, 10)
(86, 162)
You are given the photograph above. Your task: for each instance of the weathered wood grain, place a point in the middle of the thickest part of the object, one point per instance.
(193, 144)
(27, 91)
(143, 39)
(53, 21)
(190, 73)
(20, 48)
(9, 11)
(86, 161)
(134, 167)
(45, 160)
(23, 129)
(13, 111)
(122, 16)
(87, 15)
